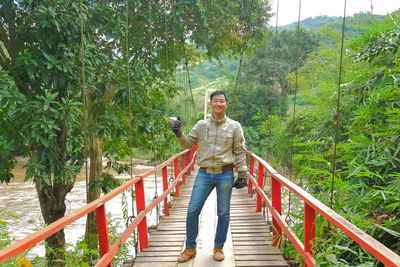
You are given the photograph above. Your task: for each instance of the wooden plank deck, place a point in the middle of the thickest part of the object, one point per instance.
(248, 242)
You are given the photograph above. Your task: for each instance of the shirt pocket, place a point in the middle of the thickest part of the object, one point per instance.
(226, 139)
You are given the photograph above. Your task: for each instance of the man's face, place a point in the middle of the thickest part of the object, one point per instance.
(218, 104)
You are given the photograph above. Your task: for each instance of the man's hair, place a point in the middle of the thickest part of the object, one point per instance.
(218, 92)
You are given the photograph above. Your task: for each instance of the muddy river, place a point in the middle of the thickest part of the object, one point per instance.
(19, 205)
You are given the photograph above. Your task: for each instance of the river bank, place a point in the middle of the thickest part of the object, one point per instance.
(20, 207)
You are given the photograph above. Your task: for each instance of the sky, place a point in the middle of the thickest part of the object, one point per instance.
(289, 9)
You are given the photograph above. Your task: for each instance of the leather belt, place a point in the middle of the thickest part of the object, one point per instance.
(217, 169)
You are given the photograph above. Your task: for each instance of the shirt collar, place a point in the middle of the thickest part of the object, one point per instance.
(218, 121)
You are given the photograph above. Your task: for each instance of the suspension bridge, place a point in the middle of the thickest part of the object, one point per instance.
(253, 239)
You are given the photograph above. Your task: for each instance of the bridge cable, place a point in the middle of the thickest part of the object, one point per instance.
(156, 196)
(166, 34)
(270, 105)
(155, 174)
(293, 130)
(372, 7)
(84, 99)
(184, 93)
(85, 116)
(273, 84)
(389, 14)
(188, 75)
(130, 139)
(336, 136)
(171, 175)
(242, 53)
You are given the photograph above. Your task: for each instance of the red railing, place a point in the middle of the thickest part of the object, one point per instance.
(108, 251)
(311, 207)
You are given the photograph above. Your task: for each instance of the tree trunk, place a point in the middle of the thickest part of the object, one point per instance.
(96, 168)
(52, 197)
(52, 205)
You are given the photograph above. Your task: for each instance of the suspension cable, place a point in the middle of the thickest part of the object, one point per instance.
(84, 99)
(291, 174)
(128, 77)
(188, 76)
(186, 95)
(242, 53)
(389, 14)
(273, 83)
(85, 115)
(336, 137)
(130, 139)
(155, 197)
(372, 7)
(166, 34)
(295, 91)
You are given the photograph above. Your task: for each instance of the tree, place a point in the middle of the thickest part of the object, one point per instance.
(41, 53)
(264, 80)
(44, 109)
(165, 33)
(367, 168)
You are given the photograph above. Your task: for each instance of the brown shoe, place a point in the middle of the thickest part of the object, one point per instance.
(218, 254)
(187, 254)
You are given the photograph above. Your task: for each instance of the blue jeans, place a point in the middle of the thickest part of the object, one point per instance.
(202, 188)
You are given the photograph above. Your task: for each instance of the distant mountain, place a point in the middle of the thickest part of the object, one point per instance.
(329, 28)
(313, 23)
(353, 23)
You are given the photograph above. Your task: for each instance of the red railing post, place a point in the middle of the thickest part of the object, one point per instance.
(277, 204)
(183, 163)
(309, 228)
(176, 173)
(102, 230)
(251, 171)
(260, 179)
(141, 205)
(165, 187)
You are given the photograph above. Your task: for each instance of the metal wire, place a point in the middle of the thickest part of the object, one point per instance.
(273, 85)
(288, 217)
(128, 77)
(130, 141)
(242, 54)
(84, 114)
(188, 76)
(155, 198)
(390, 15)
(84, 99)
(336, 137)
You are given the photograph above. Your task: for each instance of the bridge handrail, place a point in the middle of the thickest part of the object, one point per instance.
(107, 257)
(311, 205)
(98, 206)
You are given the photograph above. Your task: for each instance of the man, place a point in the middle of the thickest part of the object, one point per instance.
(221, 147)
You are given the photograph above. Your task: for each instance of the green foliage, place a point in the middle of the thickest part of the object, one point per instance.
(106, 183)
(328, 28)
(76, 254)
(5, 239)
(264, 87)
(367, 167)
(213, 69)
(8, 145)
(196, 79)
(253, 139)
(41, 116)
(126, 44)
(314, 23)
